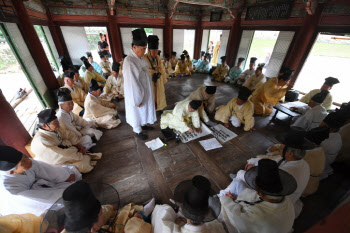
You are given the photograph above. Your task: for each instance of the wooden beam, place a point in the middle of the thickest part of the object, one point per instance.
(12, 131)
(233, 41)
(168, 34)
(198, 39)
(115, 37)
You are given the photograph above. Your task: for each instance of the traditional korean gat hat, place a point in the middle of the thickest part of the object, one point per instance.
(139, 37)
(115, 66)
(253, 60)
(93, 86)
(69, 74)
(286, 73)
(223, 58)
(202, 53)
(86, 63)
(318, 135)
(330, 81)
(268, 179)
(153, 42)
(166, 55)
(320, 97)
(335, 120)
(64, 95)
(124, 56)
(88, 54)
(185, 52)
(241, 59)
(196, 197)
(244, 93)
(173, 53)
(210, 90)
(295, 138)
(64, 62)
(47, 115)
(182, 57)
(79, 205)
(102, 55)
(195, 104)
(9, 158)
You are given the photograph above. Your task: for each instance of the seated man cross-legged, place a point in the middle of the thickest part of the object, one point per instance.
(221, 71)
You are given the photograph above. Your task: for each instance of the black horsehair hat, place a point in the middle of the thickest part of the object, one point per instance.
(286, 73)
(223, 58)
(196, 197)
(139, 37)
(268, 179)
(295, 138)
(9, 158)
(320, 97)
(244, 93)
(330, 81)
(69, 74)
(88, 54)
(63, 94)
(241, 59)
(153, 42)
(47, 115)
(335, 120)
(93, 86)
(202, 53)
(182, 57)
(115, 66)
(253, 60)
(210, 90)
(195, 104)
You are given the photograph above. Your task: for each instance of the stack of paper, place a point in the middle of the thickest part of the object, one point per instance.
(210, 144)
(155, 144)
(222, 133)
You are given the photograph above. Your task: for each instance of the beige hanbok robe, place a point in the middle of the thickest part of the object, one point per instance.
(189, 65)
(20, 223)
(327, 103)
(216, 53)
(93, 75)
(208, 105)
(244, 114)
(180, 118)
(173, 63)
(221, 72)
(169, 70)
(78, 97)
(254, 82)
(182, 68)
(121, 69)
(106, 67)
(113, 87)
(50, 148)
(267, 95)
(100, 112)
(158, 87)
(81, 84)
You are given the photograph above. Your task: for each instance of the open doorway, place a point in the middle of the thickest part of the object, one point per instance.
(214, 42)
(15, 84)
(329, 56)
(92, 35)
(183, 39)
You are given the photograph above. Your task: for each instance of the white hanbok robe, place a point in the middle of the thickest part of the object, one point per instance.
(245, 75)
(331, 148)
(138, 90)
(312, 118)
(264, 217)
(163, 221)
(35, 190)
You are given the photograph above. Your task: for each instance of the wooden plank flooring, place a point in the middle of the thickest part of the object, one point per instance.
(140, 174)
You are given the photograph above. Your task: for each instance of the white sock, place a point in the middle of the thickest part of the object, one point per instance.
(148, 209)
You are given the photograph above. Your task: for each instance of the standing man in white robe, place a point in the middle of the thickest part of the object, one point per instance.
(29, 186)
(314, 113)
(198, 207)
(139, 103)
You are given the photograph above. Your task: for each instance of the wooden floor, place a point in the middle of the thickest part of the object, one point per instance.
(140, 174)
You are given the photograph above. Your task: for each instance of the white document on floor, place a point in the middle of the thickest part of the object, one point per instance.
(210, 144)
(187, 136)
(154, 144)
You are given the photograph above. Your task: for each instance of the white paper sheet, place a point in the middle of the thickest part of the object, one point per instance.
(154, 144)
(187, 136)
(222, 133)
(210, 144)
(295, 104)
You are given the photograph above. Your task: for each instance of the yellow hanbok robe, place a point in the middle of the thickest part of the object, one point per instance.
(327, 103)
(121, 68)
(173, 63)
(266, 95)
(106, 67)
(100, 112)
(113, 87)
(169, 70)
(254, 82)
(182, 68)
(158, 87)
(189, 64)
(216, 53)
(60, 80)
(78, 97)
(180, 118)
(49, 148)
(20, 223)
(221, 72)
(82, 85)
(244, 114)
(208, 105)
(93, 75)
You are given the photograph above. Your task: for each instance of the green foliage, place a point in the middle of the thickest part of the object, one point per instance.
(93, 40)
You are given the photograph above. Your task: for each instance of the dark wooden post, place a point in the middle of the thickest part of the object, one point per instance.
(34, 45)
(303, 42)
(233, 41)
(198, 39)
(12, 131)
(114, 36)
(168, 34)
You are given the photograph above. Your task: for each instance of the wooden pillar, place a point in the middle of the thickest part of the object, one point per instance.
(198, 39)
(303, 42)
(57, 36)
(233, 41)
(168, 34)
(12, 131)
(34, 45)
(114, 36)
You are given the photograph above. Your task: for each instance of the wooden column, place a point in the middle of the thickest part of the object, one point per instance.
(303, 42)
(168, 34)
(233, 41)
(57, 36)
(12, 131)
(34, 45)
(198, 39)
(114, 36)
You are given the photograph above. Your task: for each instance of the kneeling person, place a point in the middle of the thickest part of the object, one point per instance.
(183, 117)
(221, 71)
(239, 110)
(101, 112)
(114, 88)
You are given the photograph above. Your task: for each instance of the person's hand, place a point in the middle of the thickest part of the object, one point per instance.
(227, 125)
(272, 149)
(293, 109)
(199, 130)
(120, 96)
(81, 148)
(248, 166)
(252, 129)
(71, 178)
(230, 195)
(138, 215)
(139, 106)
(179, 220)
(191, 130)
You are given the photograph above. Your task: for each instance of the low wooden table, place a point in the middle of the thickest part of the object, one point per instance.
(286, 111)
